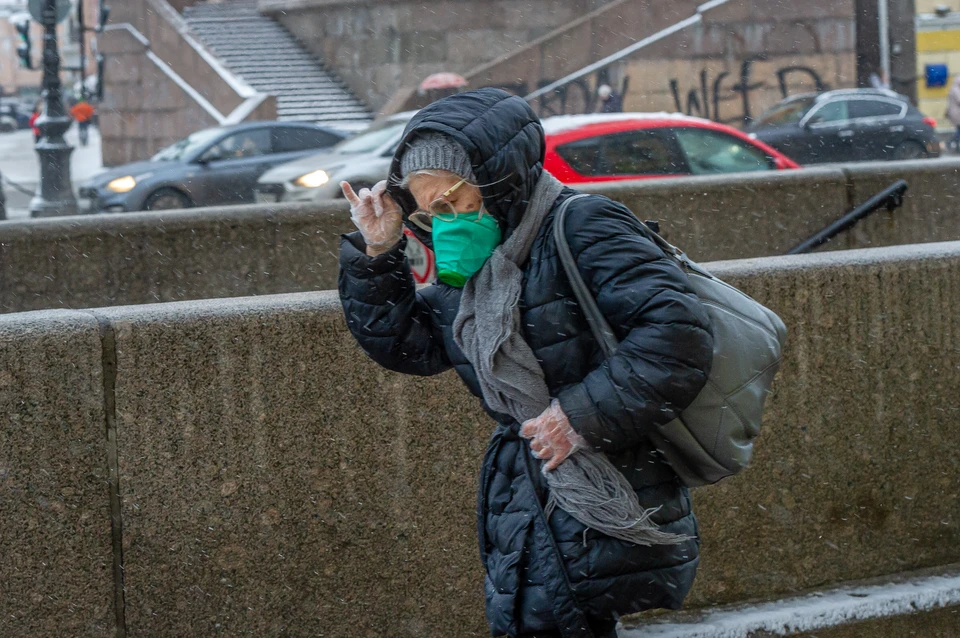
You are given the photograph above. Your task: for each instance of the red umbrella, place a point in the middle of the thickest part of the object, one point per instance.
(443, 81)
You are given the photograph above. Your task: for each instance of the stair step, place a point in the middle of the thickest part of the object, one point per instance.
(255, 49)
(270, 59)
(257, 65)
(887, 605)
(320, 106)
(331, 113)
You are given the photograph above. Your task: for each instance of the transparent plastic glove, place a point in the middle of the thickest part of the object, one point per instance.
(552, 438)
(376, 215)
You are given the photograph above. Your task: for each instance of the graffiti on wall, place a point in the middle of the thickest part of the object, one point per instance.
(726, 98)
(709, 98)
(579, 96)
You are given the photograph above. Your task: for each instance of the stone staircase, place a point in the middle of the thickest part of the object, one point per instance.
(270, 59)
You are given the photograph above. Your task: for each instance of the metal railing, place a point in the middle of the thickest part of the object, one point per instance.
(697, 18)
(890, 198)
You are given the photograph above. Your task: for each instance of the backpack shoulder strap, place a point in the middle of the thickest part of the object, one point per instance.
(598, 323)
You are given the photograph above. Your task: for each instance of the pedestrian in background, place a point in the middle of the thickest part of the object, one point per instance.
(468, 180)
(610, 100)
(953, 112)
(37, 109)
(82, 112)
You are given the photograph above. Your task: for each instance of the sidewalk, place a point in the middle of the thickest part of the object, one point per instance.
(19, 163)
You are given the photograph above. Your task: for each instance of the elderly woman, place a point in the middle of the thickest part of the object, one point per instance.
(468, 180)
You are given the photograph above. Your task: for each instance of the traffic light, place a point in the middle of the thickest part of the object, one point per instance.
(24, 50)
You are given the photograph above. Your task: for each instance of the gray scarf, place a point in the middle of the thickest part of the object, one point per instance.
(487, 329)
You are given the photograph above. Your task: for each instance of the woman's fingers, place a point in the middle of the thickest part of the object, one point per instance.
(555, 462)
(529, 429)
(349, 194)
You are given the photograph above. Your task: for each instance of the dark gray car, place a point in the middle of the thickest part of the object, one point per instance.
(211, 167)
(847, 125)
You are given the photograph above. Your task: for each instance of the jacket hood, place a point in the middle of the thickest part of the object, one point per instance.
(503, 139)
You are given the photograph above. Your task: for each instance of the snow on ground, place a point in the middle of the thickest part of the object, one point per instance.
(830, 608)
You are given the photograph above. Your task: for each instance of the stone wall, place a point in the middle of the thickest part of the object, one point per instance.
(57, 566)
(272, 480)
(144, 108)
(115, 260)
(105, 260)
(380, 47)
(725, 68)
(745, 57)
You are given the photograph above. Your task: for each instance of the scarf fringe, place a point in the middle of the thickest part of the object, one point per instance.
(589, 488)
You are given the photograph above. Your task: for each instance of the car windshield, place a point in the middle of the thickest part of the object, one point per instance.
(187, 146)
(788, 113)
(371, 139)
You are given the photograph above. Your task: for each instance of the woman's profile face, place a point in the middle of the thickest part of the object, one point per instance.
(427, 188)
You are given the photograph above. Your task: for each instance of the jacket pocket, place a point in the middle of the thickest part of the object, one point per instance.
(501, 586)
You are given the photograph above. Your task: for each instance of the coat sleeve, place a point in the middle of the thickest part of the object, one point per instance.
(666, 344)
(392, 322)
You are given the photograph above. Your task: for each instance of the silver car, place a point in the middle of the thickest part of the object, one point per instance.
(362, 160)
(211, 167)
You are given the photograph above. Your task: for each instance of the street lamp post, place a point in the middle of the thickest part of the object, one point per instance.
(54, 194)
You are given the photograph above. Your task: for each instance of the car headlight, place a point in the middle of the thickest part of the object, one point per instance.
(123, 184)
(313, 179)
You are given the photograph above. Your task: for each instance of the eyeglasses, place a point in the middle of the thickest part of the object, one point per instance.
(440, 208)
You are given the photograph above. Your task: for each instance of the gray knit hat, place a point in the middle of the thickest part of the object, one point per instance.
(436, 150)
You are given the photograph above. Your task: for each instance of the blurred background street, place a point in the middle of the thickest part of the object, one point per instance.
(20, 168)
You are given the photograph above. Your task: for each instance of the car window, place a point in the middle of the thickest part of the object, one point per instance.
(301, 138)
(645, 152)
(874, 108)
(582, 155)
(371, 139)
(789, 113)
(711, 152)
(835, 111)
(248, 143)
(186, 147)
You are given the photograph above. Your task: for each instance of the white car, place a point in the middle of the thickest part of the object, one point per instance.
(362, 160)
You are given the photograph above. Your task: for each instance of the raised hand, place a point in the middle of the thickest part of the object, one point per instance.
(376, 215)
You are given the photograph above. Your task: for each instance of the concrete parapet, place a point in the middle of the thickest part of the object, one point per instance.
(273, 480)
(726, 217)
(931, 207)
(106, 260)
(56, 557)
(855, 473)
(101, 260)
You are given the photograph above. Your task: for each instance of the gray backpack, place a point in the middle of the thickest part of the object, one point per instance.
(713, 437)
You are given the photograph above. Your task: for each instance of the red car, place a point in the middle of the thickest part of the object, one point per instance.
(622, 146)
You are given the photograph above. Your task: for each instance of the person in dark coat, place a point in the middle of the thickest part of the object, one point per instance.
(477, 158)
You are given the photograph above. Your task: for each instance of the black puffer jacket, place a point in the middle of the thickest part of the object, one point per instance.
(553, 575)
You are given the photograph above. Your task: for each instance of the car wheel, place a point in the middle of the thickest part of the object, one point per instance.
(167, 199)
(909, 150)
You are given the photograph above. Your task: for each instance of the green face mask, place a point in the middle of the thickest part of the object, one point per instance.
(462, 245)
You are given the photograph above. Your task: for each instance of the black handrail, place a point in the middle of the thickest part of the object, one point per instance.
(891, 198)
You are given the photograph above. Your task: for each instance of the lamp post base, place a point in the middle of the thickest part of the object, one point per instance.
(54, 196)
